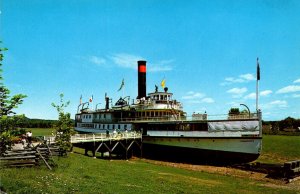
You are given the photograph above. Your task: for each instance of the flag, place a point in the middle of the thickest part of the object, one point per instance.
(80, 101)
(163, 83)
(122, 85)
(91, 98)
(258, 70)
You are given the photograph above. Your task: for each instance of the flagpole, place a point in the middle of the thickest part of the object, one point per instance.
(257, 95)
(257, 83)
(123, 91)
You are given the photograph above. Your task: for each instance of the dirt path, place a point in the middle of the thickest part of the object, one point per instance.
(265, 181)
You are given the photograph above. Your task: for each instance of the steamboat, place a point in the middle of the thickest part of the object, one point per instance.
(168, 133)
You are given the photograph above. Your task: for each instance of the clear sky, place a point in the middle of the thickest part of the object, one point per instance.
(205, 49)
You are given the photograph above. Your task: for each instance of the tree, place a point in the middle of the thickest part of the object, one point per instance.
(275, 127)
(234, 111)
(8, 120)
(63, 126)
(287, 123)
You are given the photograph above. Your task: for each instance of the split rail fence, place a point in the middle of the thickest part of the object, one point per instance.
(41, 154)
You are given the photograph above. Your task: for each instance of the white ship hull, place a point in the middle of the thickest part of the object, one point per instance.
(202, 140)
(217, 150)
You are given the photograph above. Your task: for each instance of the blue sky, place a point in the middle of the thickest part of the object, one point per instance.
(206, 50)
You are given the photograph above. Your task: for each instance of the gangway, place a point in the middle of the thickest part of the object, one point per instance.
(119, 143)
(102, 137)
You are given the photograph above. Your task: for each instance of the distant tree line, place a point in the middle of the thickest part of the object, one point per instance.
(38, 123)
(288, 124)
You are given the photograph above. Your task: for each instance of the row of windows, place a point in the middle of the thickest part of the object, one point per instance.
(161, 97)
(87, 116)
(104, 126)
(100, 116)
(152, 114)
(95, 116)
(87, 125)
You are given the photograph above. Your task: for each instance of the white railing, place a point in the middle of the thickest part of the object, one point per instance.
(98, 137)
(104, 137)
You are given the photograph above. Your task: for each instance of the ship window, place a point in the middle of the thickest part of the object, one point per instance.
(104, 116)
(113, 126)
(119, 126)
(125, 126)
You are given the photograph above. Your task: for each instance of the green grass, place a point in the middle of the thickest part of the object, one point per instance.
(279, 148)
(41, 131)
(81, 174)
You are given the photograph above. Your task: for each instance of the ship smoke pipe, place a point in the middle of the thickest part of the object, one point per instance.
(141, 79)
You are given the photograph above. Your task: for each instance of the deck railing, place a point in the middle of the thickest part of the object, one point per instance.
(78, 138)
(105, 137)
(193, 118)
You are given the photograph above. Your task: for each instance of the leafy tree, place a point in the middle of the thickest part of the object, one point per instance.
(234, 111)
(8, 122)
(287, 123)
(275, 128)
(63, 126)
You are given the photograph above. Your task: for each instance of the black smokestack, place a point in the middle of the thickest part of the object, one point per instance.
(141, 79)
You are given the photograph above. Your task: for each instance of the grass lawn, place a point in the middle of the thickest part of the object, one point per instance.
(41, 131)
(81, 174)
(280, 148)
